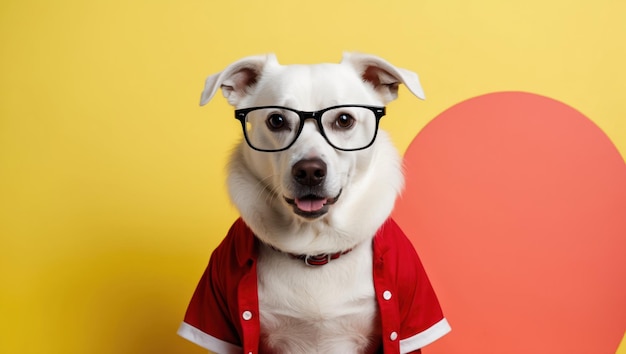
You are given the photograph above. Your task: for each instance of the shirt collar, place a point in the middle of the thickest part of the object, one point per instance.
(381, 242)
(245, 243)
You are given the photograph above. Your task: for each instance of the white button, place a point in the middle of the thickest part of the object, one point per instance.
(393, 336)
(387, 295)
(246, 315)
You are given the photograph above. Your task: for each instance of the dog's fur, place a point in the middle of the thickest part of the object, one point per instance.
(330, 308)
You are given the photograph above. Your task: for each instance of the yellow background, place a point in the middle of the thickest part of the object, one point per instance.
(112, 179)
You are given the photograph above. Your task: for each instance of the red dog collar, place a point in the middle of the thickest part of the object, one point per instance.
(314, 260)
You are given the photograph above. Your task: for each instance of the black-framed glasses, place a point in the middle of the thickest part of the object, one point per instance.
(275, 128)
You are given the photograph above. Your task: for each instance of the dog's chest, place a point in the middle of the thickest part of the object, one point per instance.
(321, 309)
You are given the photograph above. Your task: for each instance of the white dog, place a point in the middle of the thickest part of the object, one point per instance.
(314, 265)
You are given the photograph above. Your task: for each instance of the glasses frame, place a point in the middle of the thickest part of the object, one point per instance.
(241, 114)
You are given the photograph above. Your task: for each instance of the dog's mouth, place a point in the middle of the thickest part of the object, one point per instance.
(311, 206)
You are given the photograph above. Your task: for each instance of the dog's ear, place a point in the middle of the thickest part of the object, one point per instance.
(384, 76)
(236, 79)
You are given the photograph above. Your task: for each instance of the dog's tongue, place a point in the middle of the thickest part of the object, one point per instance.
(309, 204)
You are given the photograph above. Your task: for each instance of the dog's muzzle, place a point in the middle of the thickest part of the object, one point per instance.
(309, 175)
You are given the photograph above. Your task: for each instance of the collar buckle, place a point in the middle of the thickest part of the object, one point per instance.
(319, 260)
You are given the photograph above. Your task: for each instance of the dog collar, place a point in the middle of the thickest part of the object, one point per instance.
(319, 259)
(314, 260)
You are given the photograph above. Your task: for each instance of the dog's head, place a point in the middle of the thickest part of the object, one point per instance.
(313, 174)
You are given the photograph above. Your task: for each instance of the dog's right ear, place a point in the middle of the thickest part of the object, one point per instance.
(236, 79)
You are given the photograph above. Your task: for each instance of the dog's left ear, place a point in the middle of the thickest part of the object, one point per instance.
(384, 76)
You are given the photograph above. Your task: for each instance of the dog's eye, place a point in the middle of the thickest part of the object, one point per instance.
(276, 121)
(344, 121)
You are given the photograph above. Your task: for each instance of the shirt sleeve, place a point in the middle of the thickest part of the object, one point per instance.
(421, 318)
(206, 323)
(208, 320)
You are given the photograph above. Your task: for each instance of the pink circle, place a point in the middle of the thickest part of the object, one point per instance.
(517, 205)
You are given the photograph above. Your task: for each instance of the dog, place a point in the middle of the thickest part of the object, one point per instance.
(304, 269)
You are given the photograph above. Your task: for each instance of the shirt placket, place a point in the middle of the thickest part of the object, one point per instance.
(389, 310)
(248, 310)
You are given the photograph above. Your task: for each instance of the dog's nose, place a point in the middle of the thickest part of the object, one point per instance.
(309, 172)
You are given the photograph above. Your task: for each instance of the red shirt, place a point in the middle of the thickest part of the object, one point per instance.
(223, 315)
